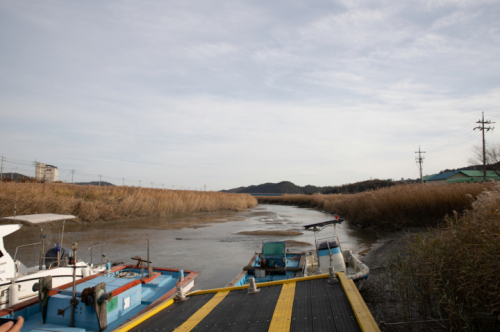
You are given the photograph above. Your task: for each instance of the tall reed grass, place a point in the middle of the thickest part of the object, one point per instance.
(91, 203)
(453, 272)
(404, 205)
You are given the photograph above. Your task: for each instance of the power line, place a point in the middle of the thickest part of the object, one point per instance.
(455, 143)
(66, 172)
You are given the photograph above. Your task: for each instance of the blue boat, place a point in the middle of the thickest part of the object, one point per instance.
(272, 264)
(103, 301)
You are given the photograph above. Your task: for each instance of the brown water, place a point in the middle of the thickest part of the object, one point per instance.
(206, 243)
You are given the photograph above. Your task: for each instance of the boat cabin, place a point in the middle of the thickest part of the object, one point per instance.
(273, 254)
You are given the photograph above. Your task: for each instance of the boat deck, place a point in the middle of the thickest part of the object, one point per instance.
(301, 304)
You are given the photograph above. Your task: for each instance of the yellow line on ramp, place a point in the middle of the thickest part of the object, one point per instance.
(198, 316)
(282, 316)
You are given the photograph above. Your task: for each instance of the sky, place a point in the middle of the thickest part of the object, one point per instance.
(223, 94)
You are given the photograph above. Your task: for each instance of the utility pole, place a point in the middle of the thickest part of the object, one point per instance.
(72, 172)
(100, 180)
(162, 186)
(1, 170)
(152, 185)
(205, 187)
(483, 129)
(139, 183)
(420, 160)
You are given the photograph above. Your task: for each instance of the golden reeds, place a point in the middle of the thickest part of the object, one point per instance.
(410, 205)
(454, 270)
(91, 203)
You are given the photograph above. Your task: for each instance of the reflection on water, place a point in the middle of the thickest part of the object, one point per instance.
(207, 243)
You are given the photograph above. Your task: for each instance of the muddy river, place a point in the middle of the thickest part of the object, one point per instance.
(208, 243)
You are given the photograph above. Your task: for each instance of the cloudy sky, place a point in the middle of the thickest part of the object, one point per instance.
(235, 93)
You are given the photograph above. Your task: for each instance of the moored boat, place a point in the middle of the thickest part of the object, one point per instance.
(17, 280)
(272, 264)
(329, 253)
(103, 301)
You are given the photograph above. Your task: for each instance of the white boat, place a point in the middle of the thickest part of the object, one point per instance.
(17, 280)
(329, 254)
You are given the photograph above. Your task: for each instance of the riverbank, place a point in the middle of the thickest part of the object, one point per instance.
(92, 203)
(443, 278)
(413, 205)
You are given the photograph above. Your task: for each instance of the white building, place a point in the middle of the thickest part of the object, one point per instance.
(46, 173)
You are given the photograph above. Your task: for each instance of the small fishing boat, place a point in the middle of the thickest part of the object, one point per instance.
(17, 280)
(329, 253)
(102, 301)
(273, 263)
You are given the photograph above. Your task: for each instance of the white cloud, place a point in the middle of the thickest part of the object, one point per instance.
(240, 93)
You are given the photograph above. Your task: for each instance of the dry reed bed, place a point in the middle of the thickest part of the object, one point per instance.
(410, 205)
(91, 203)
(452, 272)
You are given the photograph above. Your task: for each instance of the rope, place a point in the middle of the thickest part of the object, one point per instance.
(382, 323)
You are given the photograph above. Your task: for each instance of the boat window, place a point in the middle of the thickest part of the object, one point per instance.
(1, 253)
(274, 249)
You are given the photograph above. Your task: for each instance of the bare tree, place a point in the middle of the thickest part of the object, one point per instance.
(492, 157)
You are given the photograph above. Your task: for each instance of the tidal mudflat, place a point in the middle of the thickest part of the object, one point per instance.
(205, 242)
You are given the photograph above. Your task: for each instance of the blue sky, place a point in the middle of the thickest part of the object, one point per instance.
(235, 93)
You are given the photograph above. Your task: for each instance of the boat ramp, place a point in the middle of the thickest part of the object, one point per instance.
(314, 303)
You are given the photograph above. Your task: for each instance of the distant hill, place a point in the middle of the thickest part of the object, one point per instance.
(367, 185)
(491, 167)
(284, 187)
(14, 176)
(94, 183)
(287, 187)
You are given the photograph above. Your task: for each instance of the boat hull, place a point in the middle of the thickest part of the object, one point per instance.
(296, 263)
(354, 269)
(130, 297)
(60, 276)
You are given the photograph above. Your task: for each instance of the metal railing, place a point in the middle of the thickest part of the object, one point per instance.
(94, 245)
(27, 245)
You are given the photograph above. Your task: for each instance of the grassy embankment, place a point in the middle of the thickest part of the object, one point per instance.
(449, 274)
(409, 205)
(452, 272)
(91, 203)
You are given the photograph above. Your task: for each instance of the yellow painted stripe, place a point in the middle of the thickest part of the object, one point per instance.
(198, 316)
(143, 317)
(262, 284)
(366, 311)
(363, 315)
(282, 316)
